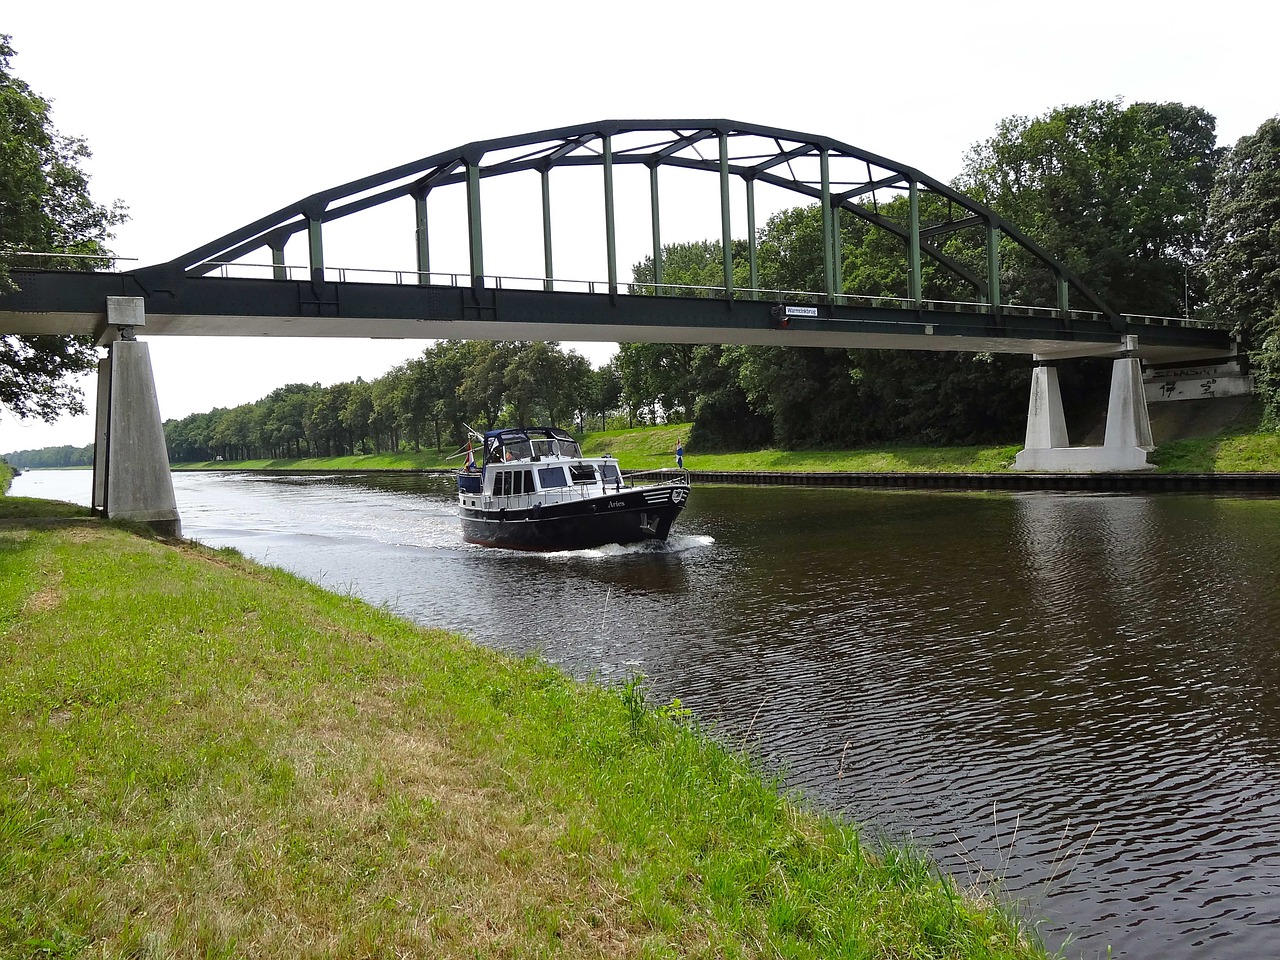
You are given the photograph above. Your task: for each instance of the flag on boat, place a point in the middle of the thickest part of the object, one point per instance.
(471, 457)
(679, 453)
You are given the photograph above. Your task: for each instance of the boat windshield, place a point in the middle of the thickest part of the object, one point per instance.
(517, 449)
(555, 446)
(526, 443)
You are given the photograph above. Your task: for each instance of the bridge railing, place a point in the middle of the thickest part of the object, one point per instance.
(269, 271)
(37, 260)
(285, 271)
(1175, 322)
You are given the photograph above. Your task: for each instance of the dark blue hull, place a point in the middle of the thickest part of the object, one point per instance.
(629, 516)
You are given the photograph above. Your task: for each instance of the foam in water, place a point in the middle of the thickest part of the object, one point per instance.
(674, 545)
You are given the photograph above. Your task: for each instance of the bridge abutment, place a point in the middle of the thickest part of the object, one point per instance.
(1128, 433)
(131, 479)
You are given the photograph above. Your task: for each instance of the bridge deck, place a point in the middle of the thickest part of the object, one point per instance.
(177, 305)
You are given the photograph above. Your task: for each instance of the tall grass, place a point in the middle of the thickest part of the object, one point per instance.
(201, 756)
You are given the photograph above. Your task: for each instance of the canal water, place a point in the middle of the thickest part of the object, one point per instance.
(1072, 698)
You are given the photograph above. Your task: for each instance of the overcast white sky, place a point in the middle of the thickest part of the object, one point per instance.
(203, 117)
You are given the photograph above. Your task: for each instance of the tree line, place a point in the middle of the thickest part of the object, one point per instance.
(427, 402)
(51, 457)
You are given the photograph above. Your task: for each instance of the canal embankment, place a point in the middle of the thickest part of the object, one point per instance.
(1066, 482)
(203, 755)
(1229, 451)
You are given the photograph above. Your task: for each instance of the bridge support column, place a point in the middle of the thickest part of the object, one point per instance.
(1128, 422)
(1128, 435)
(1046, 424)
(131, 479)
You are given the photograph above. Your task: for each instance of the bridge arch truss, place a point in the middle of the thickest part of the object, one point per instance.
(844, 180)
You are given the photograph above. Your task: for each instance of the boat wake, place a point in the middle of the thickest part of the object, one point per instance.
(675, 544)
(680, 543)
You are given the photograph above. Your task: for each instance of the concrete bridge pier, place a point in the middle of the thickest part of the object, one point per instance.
(131, 479)
(1128, 434)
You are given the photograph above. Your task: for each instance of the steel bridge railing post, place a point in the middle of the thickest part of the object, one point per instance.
(610, 235)
(993, 266)
(421, 236)
(828, 270)
(837, 258)
(474, 236)
(548, 273)
(657, 229)
(751, 239)
(315, 246)
(726, 230)
(913, 248)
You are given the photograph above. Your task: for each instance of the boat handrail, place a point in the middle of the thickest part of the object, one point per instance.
(662, 473)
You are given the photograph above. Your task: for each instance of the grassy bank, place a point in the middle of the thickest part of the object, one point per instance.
(653, 448)
(1246, 449)
(1249, 452)
(205, 757)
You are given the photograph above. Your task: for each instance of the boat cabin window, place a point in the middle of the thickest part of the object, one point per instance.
(582, 472)
(544, 447)
(551, 477)
(609, 471)
(569, 448)
(512, 483)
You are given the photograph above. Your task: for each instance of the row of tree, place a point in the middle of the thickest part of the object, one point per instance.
(51, 458)
(428, 401)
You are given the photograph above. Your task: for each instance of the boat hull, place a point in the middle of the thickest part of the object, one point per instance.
(629, 516)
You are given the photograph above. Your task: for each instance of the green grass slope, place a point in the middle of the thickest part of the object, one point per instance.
(203, 757)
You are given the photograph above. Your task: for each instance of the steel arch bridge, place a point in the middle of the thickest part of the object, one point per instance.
(220, 289)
